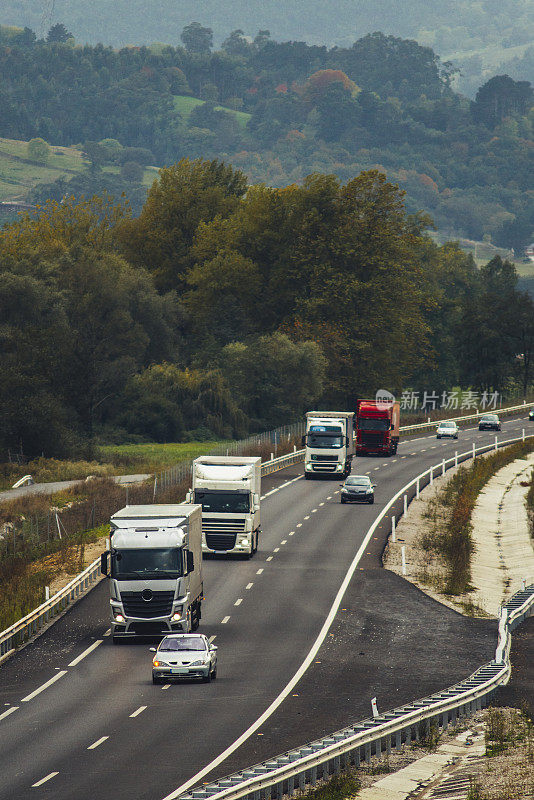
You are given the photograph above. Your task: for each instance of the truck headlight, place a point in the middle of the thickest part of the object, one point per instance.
(339, 466)
(118, 616)
(243, 541)
(308, 466)
(176, 616)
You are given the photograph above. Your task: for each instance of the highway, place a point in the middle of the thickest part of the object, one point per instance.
(91, 724)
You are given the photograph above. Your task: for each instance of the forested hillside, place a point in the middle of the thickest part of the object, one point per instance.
(280, 111)
(447, 25)
(195, 318)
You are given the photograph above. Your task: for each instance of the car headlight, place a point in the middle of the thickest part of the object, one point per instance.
(157, 663)
(198, 663)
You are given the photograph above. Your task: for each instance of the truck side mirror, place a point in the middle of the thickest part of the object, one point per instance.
(104, 563)
(189, 497)
(303, 440)
(190, 562)
(256, 500)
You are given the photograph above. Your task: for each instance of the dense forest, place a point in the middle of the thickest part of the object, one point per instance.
(225, 308)
(449, 26)
(281, 111)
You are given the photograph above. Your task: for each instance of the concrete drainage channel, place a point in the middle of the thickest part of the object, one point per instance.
(292, 771)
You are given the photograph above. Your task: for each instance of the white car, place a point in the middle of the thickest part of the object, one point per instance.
(184, 655)
(449, 429)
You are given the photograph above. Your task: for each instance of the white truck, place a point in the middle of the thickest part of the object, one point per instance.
(154, 566)
(329, 443)
(228, 488)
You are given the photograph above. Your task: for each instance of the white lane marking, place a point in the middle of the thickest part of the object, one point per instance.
(139, 711)
(413, 454)
(299, 673)
(328, 498)
(386, 464)
(259, 571)
(299, 524)
(307, 517)
(45, 779)
(282, 486)
(284, 541)
(393, 460)
(376, 468)
(269, 558)
(433, 447)
(314, 510)
(276, 550)
(108, 632)
(403, 456)
(423, 451)
(337, 491)
(56, 677)
(98, 743)
(249, 586)
(167, 686)
(8, 712)
(224, 620)
(85, 653)
(291, 533)
(238, 601)
(212, 638)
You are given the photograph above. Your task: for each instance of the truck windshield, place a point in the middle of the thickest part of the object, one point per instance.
(373, 424)
(231, 502)
(319, 440)
(147, 563)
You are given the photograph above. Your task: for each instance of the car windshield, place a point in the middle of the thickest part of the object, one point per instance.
(231, 502)
(357, 481)
(324, 440)
(147, 563)
(447, 425)
(489, 418)
(373, 424)
(182, 643)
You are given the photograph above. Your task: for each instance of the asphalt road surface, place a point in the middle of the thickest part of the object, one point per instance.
(97, 727)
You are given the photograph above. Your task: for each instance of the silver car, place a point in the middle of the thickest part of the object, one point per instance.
(184, 655)
(447, 429)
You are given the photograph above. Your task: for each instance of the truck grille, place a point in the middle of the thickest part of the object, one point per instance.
(216, 525)
(159, 604)
(220, 541)
(372, 438)
(323, 458)
(324, 467)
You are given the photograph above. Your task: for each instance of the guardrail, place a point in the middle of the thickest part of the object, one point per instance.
(468, 418)
(293, 770)
(20, 631)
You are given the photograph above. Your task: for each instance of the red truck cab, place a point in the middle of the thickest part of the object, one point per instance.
(377, 428)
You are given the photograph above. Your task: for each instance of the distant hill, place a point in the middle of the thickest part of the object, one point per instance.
(461, 27)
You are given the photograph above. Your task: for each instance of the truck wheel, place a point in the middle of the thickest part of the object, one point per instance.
(256, 542)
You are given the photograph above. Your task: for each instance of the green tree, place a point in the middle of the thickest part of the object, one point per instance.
(196, 38)
(274, 379)
(58, 33)
(38, 150)
(180, 199)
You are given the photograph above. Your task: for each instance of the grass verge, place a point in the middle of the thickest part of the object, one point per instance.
(450, 538)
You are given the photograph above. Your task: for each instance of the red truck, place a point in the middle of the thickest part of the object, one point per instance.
(377, 428)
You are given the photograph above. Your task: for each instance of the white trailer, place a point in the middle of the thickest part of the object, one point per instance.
(154, 566)
(329, 443)
(228, 488)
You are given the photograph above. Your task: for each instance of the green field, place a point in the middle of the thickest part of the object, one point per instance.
(184, 105)
(18, 175)
(151, 457)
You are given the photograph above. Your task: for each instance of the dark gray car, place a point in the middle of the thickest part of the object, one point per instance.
(358, 489)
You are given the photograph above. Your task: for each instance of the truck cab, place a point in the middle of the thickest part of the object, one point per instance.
(377, 428)
(228, 488)
(329, 443)
(154, 566)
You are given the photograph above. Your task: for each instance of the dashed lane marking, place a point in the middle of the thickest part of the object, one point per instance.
(259, 571)
(269, 558)
(328, 498)
(224, 620)
(167, 686)
(307, 517)
(238, 601)
(138, 711)
(44, 686)
(299, 524)
(108, 632)
(249, 586)
(284, 541)
(45, 779)
(8, 712)
(98, 743)
(276, 550)
(85, 653)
